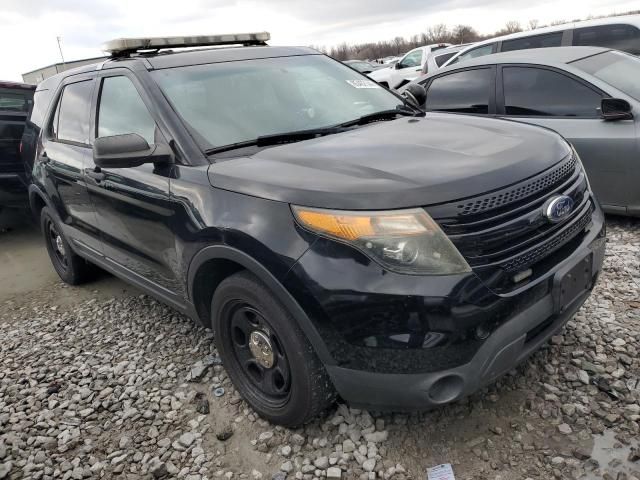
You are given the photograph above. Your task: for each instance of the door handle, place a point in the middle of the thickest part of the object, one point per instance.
(95, 173)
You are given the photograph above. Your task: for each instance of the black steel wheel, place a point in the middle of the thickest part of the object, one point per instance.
(70, 267)
(266, 354)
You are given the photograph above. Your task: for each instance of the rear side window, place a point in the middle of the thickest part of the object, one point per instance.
(122, 110)
(440, 59)
(476, 52)
(620, 37)
(539, 92)
(15, 100)
(468, 91)
(537, 41)
(71, 123)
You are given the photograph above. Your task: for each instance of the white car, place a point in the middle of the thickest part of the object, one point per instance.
(436, 59)
(408, 68)
(621, 33)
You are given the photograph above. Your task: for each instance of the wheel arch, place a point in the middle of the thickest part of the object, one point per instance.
(37, 201)
(213, 264)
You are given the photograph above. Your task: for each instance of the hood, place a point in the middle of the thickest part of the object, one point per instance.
(407, 162)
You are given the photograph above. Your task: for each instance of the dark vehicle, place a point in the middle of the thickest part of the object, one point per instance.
(15, 103)
(589, 95)
(336, 240)
(362, 66)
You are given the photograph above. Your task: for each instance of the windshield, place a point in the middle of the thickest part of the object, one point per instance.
(618, 69)
(233, 102)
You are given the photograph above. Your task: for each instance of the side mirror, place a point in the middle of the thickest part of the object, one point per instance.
(128, 150)
(416, 94)
(615, 109)
(397, 65)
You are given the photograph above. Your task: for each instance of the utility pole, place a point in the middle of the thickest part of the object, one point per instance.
(60, 48)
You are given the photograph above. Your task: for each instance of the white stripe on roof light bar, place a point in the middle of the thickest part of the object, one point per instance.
(142, 43)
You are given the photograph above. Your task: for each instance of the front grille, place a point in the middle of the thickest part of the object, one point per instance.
(506, 231)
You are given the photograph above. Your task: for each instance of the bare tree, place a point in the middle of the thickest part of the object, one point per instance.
(512, 26)
(464, 34)
(533, 24)
(438, 33)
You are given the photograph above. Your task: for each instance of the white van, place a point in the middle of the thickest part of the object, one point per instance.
(621, 33)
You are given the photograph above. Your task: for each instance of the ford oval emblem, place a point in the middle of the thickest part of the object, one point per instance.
(558, 208)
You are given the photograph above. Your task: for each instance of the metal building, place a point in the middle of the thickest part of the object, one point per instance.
(36, 76)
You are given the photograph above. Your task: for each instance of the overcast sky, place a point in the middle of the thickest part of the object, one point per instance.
(29, 27)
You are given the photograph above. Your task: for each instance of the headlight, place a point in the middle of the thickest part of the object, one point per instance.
(406, 241)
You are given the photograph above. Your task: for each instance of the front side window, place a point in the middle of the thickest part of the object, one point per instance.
(71, 123)
(538, 92)
(618, 69)
(122, 110)
(468, 91)
(233, 102)
(621, 37)
(536, 41)
(413, 59)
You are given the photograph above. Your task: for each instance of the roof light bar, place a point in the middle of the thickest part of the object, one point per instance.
(123, 46)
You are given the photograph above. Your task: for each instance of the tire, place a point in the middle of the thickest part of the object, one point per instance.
(70, 267)
(289, 387)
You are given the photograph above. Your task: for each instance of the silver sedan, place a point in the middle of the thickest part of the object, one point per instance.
(589, 95)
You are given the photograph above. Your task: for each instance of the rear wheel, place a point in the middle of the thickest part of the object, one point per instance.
(71, 268)
(267, 356)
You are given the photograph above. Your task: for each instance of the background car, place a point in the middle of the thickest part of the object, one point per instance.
(408, 67)
(363, 66)
(16, 100)
(621, 33)
(589, 95)
(438, 58)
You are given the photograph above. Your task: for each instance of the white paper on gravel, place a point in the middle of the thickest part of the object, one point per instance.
(440, 472)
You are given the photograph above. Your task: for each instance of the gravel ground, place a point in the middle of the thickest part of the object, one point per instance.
(127, 388)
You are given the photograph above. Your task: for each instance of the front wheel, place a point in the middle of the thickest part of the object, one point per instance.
(267, 356)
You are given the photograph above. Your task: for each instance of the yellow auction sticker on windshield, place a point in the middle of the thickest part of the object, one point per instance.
(363, 84)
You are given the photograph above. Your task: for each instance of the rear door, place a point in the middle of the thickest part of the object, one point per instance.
(133, 205)
(15, 104)
(64, 155)
(562, 102)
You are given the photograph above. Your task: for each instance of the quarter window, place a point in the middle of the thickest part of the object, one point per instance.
(122, 110)
(467, 91)
(476, 52)
(440, 59)
(71, 122)
(620, 37)
(536, 41)
(539, 92)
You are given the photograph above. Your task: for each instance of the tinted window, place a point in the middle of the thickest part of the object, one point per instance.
(72, 118)
(538, 41)
(616, 68)
(122, 110)
(14, 100)
(443, 58)
(466, 92)
(620, 37)
(413, 59)
(538, 92)
(476, 52)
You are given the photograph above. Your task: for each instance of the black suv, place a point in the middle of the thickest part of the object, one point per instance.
(16, 100)
(338, 241)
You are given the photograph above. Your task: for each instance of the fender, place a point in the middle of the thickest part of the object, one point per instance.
(35, 191)
(225, 252)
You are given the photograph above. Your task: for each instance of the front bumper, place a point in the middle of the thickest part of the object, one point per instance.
(362, 317)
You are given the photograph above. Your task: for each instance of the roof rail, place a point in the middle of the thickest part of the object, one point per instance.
(122, 47)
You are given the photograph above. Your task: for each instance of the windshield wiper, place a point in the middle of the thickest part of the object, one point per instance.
(277, 138)
(383, 115)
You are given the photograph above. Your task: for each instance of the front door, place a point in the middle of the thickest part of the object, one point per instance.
(133, 205)
(563, 103)
(407, 69)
